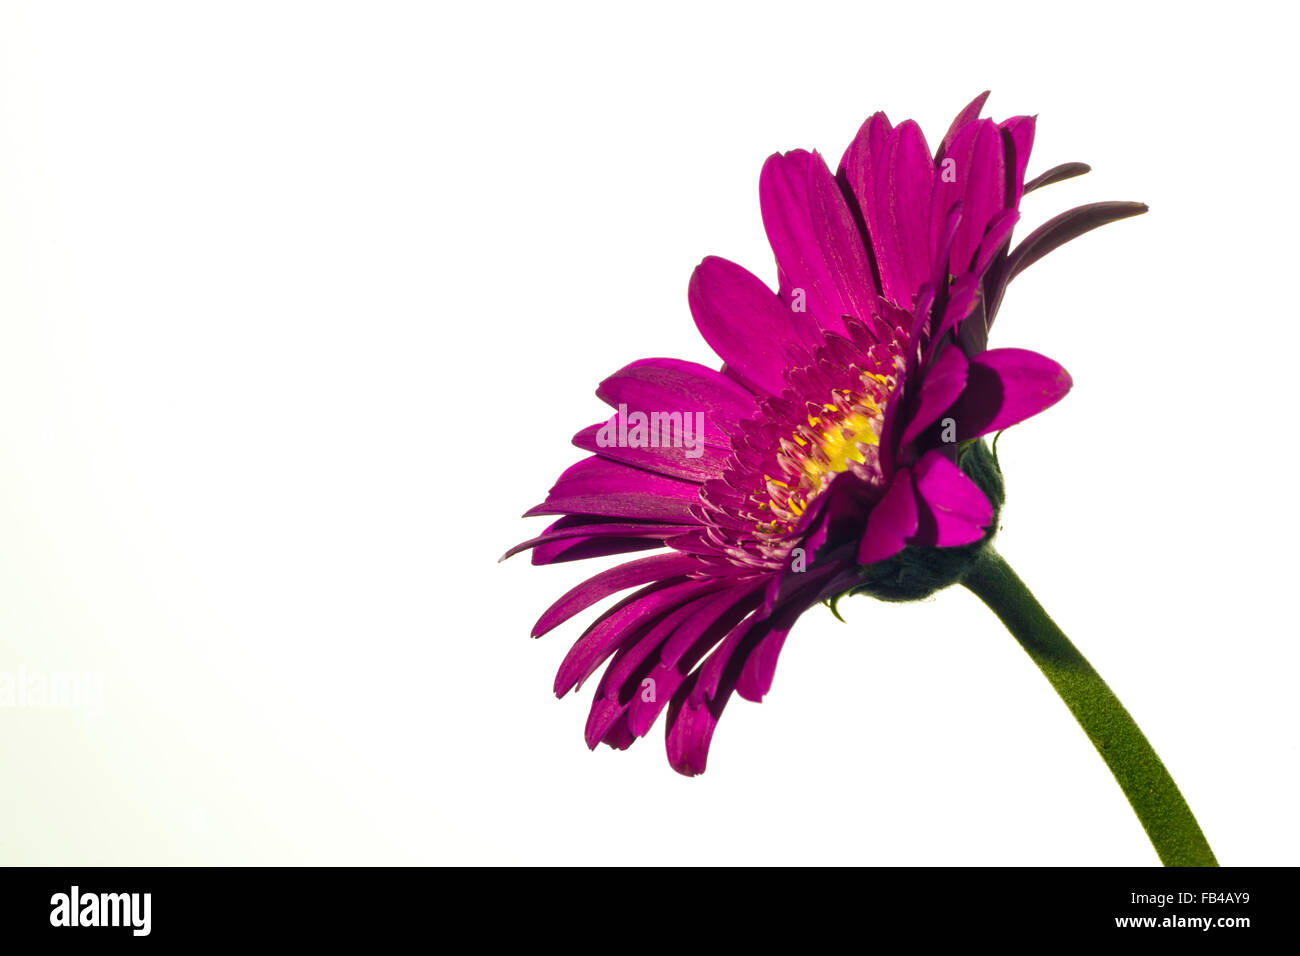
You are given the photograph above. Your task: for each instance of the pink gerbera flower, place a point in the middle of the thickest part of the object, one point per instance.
(835, 451)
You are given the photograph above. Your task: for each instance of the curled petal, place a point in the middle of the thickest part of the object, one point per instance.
(1006, 386)
(951, 508)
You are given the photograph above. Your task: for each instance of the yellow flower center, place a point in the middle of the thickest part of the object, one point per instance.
(839, 435)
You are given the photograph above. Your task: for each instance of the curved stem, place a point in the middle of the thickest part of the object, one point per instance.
(1151, 792)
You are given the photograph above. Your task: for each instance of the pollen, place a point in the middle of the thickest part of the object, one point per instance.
(840, 435)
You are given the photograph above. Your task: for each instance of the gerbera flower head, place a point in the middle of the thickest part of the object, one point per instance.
(837, 449)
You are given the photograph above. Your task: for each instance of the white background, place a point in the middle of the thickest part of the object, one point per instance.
(300, 305)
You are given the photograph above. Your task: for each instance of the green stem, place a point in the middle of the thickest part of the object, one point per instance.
(1150, 790)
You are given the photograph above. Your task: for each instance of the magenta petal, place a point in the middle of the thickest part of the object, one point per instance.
(607, 721)
(598, 486)
(719, 670)
(969, 114)
(996, 239)
(690, 731)
(635, 659)
(944, 239)
(620, 578)
(904, 182)
(724, 611)
(791, 591)
(576, 537)
(1006, 386)
(682, 448)
(817, 245)
(943, 384)
(963, 298)
(745, 322)
(620, 624)
(690, 640)
(759, 658)
(972, 172)
(841, 504)
(1057, 174)
(644, 709)
(698, 704)
(892, 521)
(1018, 137)
(580, 526)
(590, 546)
(842, 244)
(669, 385)
(857, 173)
(952, 509)
(759, 670)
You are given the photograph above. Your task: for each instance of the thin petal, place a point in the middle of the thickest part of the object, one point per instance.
(690, 730)
(690, 641)
(1068, 225)
(618, 625)
(591, 546)
(581, 526)
(1057, 174)
(1018, 141)
(996, 239)
(1051, 235)
(598, 486)
(620, 578)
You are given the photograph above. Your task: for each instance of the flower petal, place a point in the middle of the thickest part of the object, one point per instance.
(620, 624)
(1006, 386)
(1055, 233)
(995, 240)
(892, 521)
(817, 245)
(943, 383)
(668, 385)
(760, 657)
(951, 508)
(857, 172)
(969, 114)
(626, 671)
(690, 729)
(611, 581)
(583, 526)
(598, 486)
(670, 443)
(973, 173)
(1057, 174)
(746, 323)
(904, 183)
(690, 641)
(591, 546)
(1018, 141)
